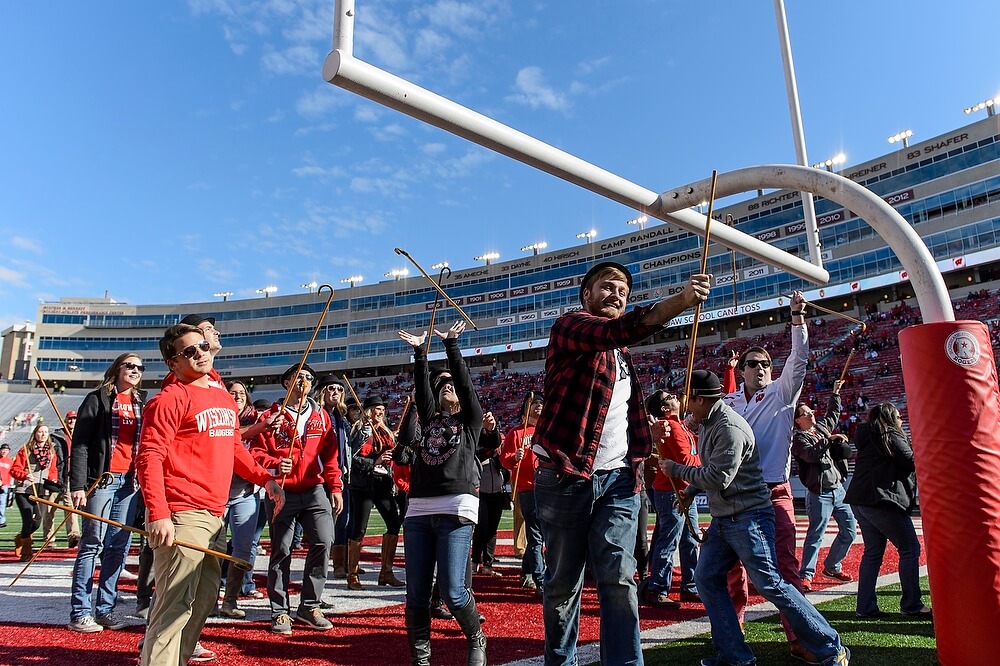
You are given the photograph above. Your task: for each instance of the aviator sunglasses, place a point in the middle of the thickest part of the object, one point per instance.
(191, 350)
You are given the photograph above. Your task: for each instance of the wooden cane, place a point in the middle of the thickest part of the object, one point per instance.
(684, 511)
(434, 309)
(406, 407)
(524, 434)
(41, 380)
(697, 308)
(305, 355)
(295, 433)
(49, 540)
(438, 288)
(242, 565)
(847, 364)
(863, 325)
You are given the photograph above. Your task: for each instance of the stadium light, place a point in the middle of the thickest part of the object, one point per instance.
(988, 104)
(439, 265)
(398, 273)
(267, 291)
(224, 295)
(488, 257)
(535, 247)
(901, 137)
(309, 285)
(641, 221)
(354, 279)
(589, 235)
(836, 160)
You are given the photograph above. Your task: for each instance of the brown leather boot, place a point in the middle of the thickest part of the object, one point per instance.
(386, 577)
(26, 550)
(353, 558)
(339, 556)
(17, 546)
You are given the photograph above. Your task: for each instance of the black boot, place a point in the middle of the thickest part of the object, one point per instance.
(418, 629)
(468, 620)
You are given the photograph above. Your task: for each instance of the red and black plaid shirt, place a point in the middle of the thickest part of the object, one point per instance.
(579, 381)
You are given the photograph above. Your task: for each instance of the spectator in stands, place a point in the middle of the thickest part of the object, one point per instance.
(679, 444)
(769, 407)
(105, 440)
(822, 463)
(882, 493)
(63, 440)
(371, 486)
(591, 442)
(443, 497)
(37, 469)
(516, 455)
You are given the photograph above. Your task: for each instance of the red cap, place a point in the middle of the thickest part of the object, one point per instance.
(71, 415)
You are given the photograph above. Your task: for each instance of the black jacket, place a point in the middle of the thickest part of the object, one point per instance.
(883, 472)
(92, 445)
(818, 470)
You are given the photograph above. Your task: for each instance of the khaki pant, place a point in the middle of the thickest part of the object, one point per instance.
(49, 516)
(187, 586)
(520, 537)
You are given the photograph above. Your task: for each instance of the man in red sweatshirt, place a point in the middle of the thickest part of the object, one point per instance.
(189, 449)
(303, 453)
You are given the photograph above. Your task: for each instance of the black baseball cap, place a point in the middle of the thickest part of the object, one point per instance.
(196, 319)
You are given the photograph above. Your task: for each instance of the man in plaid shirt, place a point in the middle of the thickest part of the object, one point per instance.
(591, 440)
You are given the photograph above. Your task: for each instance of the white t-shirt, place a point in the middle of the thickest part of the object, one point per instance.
(613, 447)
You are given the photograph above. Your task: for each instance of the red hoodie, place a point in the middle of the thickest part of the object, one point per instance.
(189, 448)
(525, 472)
(315, 457)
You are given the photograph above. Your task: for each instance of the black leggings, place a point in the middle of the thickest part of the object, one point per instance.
(381, 498)
(31, 517)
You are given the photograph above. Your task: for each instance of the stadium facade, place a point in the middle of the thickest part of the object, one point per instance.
(948, 188)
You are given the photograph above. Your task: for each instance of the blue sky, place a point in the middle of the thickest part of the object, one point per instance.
(164, 151)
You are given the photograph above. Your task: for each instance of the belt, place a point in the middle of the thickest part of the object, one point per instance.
(772, 486)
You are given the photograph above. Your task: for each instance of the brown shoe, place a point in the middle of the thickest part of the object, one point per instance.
(690, 597)
(659, 600)
(798, 651)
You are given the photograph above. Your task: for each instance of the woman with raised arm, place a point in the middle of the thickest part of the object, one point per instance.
(444, 497)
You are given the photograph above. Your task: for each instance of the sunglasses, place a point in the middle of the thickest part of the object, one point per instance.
(305, 376)
(134, 366)
(191, 350)
(753, 363)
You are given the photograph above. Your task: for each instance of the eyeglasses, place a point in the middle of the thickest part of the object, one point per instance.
(134, 366)
(753, 363)
(305, 376)
(334, 387)
(191, 350)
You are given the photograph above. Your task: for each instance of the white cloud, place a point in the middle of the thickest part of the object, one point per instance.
(366, 114)
(300, 59)
(531, 90)
(12, 277)
(433, 148)
(22, 243)
(319, 101)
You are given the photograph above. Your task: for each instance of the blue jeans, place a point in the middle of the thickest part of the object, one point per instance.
(820, 507)
(748, 537)
(117, 500)
(591, 519)
(241, 515)
(671, 533)
(532, 563)
(878, 525)
(3, 503)
(342, 522)
(443, 540)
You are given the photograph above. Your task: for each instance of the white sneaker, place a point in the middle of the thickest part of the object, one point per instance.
(85, 625)
(201, 654)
